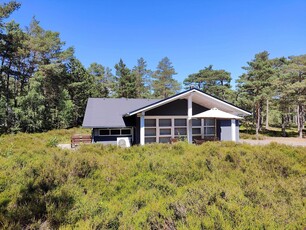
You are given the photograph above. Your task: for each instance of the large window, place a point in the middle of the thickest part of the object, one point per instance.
(163, 129)
(203, 128)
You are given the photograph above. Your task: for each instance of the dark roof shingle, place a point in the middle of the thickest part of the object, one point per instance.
(108, 112)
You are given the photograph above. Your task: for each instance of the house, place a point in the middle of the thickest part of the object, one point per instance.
(191, 114)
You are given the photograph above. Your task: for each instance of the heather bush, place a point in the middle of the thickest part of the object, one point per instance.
(217, 185)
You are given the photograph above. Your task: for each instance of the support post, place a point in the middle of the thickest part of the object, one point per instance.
(233, 127)
(189, 120)
(142, 129)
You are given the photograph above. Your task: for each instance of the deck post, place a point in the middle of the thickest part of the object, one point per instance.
(233, 128)
(142, 129)
(189, 120)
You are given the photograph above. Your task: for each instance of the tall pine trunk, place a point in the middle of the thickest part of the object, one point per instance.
(300, 119)
(7, 122)
(283, 125)
(258, 118)
(267, 115)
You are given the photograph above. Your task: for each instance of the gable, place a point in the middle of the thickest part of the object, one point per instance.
(175, 108)
(198, 97)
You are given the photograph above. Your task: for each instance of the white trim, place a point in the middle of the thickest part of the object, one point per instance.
(166, 101)
(142, 129)
(225, 103)
(233, 128)
(166, 117)
(189, 120)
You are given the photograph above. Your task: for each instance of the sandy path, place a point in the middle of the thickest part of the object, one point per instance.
(281, 140)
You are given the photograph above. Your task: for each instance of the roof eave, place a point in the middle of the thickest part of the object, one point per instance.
(174, 97)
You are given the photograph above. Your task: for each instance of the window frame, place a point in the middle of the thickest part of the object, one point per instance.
(113, 129)
(158, 128)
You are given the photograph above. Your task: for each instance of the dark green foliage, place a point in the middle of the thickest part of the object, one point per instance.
(256, 84)
(142, 79)
(214, 82)
(126, 81)
(180, 186)
(164, 85)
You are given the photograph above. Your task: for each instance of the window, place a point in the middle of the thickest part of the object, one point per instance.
(104, 132)
(150, 132)
(164, 139)
(203, 128)
(165, 132)
(209, 127)
(197, 129)
(180, 132)
(180, 128)
(180, 122)
(150, 140)
(150, 122)
(196, 122)
(125, 131)
(164, 122)
(209, 122)
(115, 132)
(162, 129)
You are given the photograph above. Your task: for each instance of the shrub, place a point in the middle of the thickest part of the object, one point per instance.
(219, 185)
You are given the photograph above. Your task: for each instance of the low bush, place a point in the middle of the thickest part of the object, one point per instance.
(217, 185)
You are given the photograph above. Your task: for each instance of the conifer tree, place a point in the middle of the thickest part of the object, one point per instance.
(164, 85)
(126, 82)
(142, 79)
(214, 82)
(256, 83)
(297, 87)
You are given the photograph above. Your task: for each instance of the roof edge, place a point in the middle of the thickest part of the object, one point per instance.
(169, 99)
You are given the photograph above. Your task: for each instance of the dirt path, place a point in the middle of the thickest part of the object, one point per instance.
(281, 140)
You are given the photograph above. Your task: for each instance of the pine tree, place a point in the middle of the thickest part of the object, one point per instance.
(297, 87)
(126, 82)
(142, 79)
(164, 85)
(81, 86)
(214, 82)
(103, 80)
(256, 83)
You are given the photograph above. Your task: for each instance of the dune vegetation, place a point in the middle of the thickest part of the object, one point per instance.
(217, 185)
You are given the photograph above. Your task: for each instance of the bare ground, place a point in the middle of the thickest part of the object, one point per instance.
(281, 140)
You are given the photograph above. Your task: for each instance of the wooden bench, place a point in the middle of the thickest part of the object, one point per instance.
(76, 139)
(200, 141)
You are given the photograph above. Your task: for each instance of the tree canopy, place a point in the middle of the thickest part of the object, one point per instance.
(44, 86)
(214, 82)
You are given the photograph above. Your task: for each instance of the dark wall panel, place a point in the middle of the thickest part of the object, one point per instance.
(176, 108)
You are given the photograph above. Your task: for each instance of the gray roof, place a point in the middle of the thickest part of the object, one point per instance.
(109, 112)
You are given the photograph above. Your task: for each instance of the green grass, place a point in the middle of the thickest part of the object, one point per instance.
(218, 185)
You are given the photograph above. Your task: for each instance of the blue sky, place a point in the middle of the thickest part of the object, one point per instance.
(193, 33)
